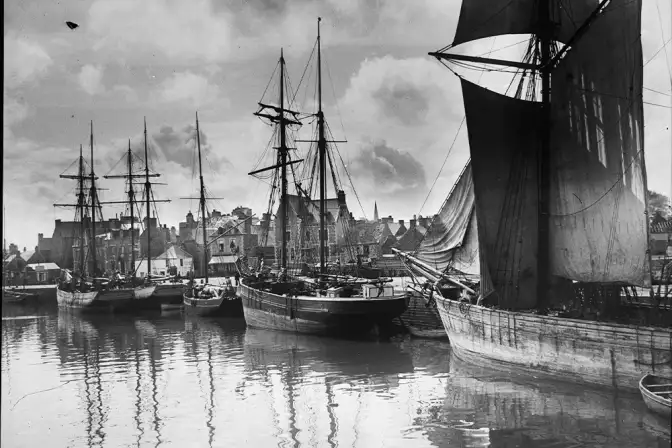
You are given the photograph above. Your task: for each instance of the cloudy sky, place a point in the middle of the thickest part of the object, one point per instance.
(399, 109)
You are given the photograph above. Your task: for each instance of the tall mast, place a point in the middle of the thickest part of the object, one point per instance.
(200, 171)
(283, 163)
(81, 205)
(322, 147)
(545, 36)
(93, 210)
(149, 220)
(131, 202)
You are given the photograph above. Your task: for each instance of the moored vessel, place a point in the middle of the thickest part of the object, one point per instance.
(206, 299)
(88, 290)
(15, 295)
(657, 394)
(561, 197)
(320, 301)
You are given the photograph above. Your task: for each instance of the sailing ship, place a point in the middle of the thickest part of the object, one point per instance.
(560, 198)
(143, 293)
(206, 299)
(167, 289)
(322, 303)
(87, 290)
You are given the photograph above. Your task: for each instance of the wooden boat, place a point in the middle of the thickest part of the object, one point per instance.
(320, 314)
(221, 300)
(657, 394)
(90, 292)
(156, 291)
(315, 302)
(14, 295)
(559, 226)
(109, 300)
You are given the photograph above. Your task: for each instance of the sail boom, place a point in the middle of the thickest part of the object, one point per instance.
(75, 176)
(278, 109)
(502, 62)
(276, 118)
(279, 165)
(327, 141)
(126, 176)
(113, 202)
(200, 198)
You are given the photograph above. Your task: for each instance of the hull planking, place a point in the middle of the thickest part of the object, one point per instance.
(110, 300)
(318, 315)
(605, 354)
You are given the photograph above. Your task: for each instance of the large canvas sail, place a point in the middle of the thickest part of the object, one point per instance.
(598, 223)
(503, 140)
(488, 18)
(452, 239)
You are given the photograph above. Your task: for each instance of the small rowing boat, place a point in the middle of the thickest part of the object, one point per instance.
(657, 394)
(16, 296)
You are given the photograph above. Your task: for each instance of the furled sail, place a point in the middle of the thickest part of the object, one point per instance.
(598, 223)
(452, 239)
(504, 139)
(487, 18)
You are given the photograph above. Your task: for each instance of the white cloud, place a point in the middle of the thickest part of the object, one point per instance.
(183, 31)
(13, 111)
(90, 79)
(189, 88)
(127, 92)
(25, 61)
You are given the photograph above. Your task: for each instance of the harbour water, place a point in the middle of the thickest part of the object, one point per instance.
(72, 380)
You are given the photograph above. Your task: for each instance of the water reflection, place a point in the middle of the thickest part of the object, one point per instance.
(92, 380)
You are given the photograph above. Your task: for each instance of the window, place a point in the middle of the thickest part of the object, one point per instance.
(181, 262)
(221, 247)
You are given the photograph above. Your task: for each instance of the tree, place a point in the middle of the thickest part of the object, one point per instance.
(660, 207)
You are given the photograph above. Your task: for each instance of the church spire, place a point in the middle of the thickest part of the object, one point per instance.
(375, 211)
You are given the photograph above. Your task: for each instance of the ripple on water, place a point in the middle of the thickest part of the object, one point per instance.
(186, 381)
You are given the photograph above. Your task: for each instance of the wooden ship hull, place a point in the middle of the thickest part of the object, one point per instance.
(600, 353)
(224, 304)
(109, 300)
(657, 394)
(318, 315)
(154, 296)
(169, 292)
(422, 319)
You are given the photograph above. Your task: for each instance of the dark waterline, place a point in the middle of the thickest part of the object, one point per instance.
(85, 380)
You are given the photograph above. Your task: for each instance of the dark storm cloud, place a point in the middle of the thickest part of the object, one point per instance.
(179, 146)
(393, 171)
(401, 100)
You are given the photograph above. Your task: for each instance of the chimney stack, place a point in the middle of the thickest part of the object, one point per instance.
(412, 222)
(401, 222)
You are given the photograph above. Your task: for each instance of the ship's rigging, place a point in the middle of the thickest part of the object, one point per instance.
(310, 203)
